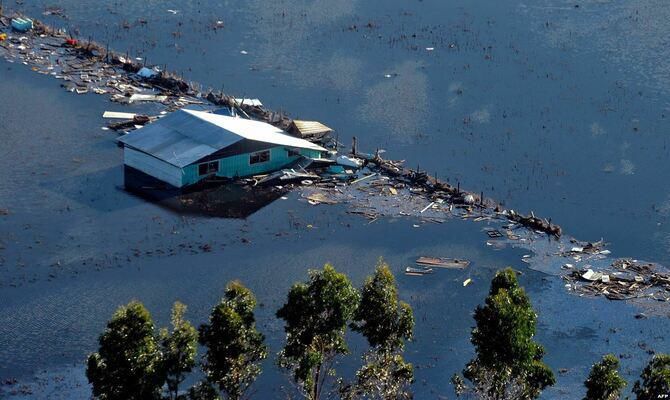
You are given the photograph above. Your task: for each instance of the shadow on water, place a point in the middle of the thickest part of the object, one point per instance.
(212, 199)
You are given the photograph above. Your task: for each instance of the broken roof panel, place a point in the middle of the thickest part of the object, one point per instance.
(249, 102)
(185, 136)
(311, 128)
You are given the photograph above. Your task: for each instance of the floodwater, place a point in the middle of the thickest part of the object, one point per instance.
(552, 106)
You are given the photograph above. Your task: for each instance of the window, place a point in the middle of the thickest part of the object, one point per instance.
(293, 152)
(260, 157)
(208, 168)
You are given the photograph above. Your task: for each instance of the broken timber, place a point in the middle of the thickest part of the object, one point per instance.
(439, 189)
(172, 88)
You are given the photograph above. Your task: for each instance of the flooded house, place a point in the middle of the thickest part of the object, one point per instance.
(187, 147)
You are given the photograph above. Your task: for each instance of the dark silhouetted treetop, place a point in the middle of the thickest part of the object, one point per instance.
(235, 347)
(316, 314)
(128, 364)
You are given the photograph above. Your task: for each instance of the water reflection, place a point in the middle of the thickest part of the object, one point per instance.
(643, 26)
(213, 199)
(285, 29)
(400, 102)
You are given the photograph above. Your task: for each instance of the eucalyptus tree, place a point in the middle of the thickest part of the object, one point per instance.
(128, 364)
(386, 323)
(179, 349)
(316, 314)
(508, 362)
(655, 379)
(604, 381)
(235, 348)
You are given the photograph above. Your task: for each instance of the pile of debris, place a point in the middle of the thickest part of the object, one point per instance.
(438, 190)
(88, 67)
(624, 279)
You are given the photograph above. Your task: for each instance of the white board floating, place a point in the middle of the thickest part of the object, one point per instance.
(118, 115)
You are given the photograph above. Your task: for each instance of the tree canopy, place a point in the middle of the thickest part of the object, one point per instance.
(128, 364)
(235, 347)
(386, 322)
(655, 383)
(508, 361)
(316, 314)
(604, 381)
(179, 348)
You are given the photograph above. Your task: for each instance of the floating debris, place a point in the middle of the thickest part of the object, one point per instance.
(494, 233)
(21, 24)
(624, 279)
(418, 271)
(319, 198)
(442, 262)
(118, 115)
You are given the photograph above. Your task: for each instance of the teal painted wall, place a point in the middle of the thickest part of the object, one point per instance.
(238, 166)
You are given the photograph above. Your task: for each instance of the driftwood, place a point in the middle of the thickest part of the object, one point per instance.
(432, 185)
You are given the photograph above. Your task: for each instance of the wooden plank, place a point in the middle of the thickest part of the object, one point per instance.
(442, 262)
(118, 115)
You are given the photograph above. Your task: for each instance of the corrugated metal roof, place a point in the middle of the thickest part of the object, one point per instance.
(309, 128)
(185, 136)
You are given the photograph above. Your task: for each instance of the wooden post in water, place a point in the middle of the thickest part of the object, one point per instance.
(354, 146)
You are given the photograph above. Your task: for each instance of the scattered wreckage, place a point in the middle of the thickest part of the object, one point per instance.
(371, 185)
(623, 279)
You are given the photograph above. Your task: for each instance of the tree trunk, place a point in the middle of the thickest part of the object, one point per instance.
(315, 395)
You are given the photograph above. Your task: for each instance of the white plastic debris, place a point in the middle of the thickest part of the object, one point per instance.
(349, 161)
(145, 72)
(591, 275)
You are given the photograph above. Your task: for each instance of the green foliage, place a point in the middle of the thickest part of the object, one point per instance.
(316, 315)
(508, 362)
(604, 381)
(655, 382)
(235, 347)
(128, 363)
(384, 376)
(179, 349)
(385, 321)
